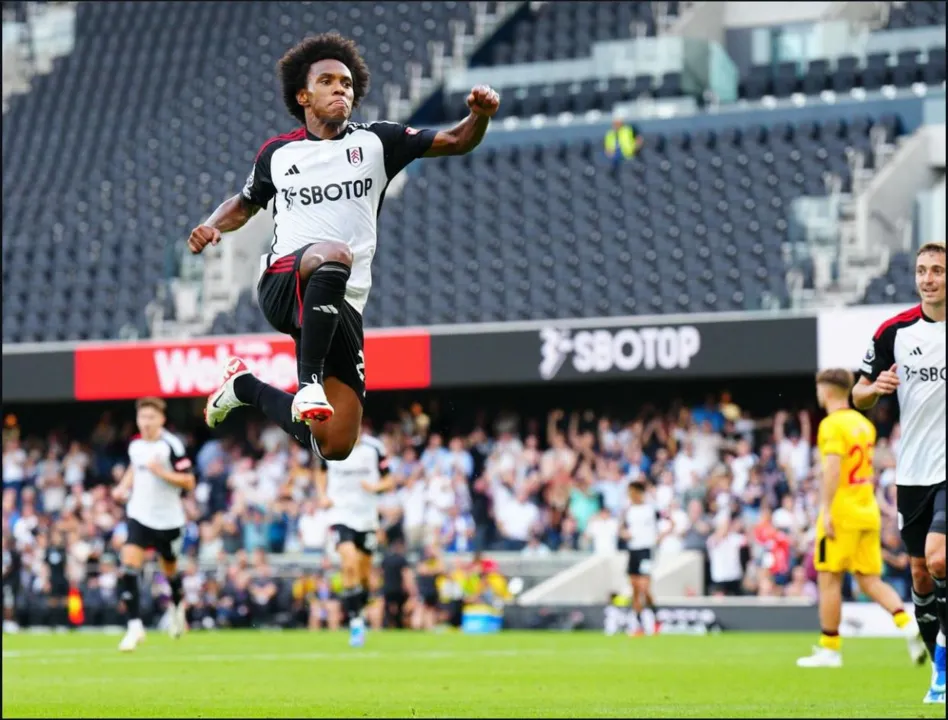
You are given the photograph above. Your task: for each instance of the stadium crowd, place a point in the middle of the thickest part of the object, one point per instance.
(742, 490)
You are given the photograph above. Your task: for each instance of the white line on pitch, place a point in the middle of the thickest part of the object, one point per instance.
(65, 655)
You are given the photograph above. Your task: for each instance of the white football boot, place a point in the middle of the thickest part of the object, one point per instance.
(133, 636)
(916, 646)
(223, 400)
(177, 620)
(310, 403)
(821, 657)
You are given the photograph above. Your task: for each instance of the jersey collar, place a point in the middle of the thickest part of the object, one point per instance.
(345, 131)
(921, 311)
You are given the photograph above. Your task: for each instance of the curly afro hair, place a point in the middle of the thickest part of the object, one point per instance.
(294, 66)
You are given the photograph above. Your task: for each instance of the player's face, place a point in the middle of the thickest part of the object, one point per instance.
(149, 421)
(930, 277)
(329, 93)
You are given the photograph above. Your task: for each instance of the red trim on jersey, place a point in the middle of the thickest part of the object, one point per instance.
(908, 316)
(136, 436)
(298, 134)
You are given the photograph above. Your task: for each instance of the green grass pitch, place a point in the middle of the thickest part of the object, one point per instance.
(299, 674)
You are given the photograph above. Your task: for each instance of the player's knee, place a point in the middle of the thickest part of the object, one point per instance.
(935, 561)
(921, 578)
(132, 557)
(336, 454)
(867, 583)
(324, 252)
(335, 448)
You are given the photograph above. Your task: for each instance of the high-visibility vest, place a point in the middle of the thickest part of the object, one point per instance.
(77, 615)
(623, 139)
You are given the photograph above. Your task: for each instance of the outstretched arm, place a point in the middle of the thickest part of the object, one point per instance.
(232, 214)
(467, 134)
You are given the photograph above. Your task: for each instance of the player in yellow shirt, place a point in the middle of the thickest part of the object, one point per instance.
(849, 522)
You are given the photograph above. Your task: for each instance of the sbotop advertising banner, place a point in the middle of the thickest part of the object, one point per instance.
(561, 353)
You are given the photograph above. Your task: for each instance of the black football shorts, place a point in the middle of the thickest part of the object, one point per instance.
(280, 297)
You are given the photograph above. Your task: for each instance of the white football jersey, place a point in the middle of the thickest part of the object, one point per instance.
(332, 190)
(155, 503)
(642, 524)
(352, 505)
(916, 344)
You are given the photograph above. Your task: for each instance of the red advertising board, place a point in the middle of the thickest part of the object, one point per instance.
(190, 368)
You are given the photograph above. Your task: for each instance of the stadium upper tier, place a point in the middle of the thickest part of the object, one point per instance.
(897, 285)
(782, 80)
(568, 30)
(693, 224)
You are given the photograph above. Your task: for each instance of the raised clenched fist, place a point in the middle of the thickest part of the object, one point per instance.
(201, 237)
(483, 101)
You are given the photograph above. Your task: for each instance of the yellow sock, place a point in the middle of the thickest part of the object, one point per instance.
(831, 642)
(901, 619)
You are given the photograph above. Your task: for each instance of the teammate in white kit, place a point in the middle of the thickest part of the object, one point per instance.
(350, 490)
(907, 356)
(641, 538)
(327, 180)
(159, 470)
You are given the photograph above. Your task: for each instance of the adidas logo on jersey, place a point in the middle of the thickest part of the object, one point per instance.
(917, 352)
(292, 171)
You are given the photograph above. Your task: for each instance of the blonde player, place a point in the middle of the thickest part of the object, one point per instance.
(849, 522)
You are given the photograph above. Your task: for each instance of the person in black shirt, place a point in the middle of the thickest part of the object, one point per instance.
(11, 578)
(479, 447)
(427, 573)
(396, 584)
(59, 585)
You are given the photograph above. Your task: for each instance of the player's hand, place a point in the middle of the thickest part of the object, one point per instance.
(157, 468)
(201, 237)
(369, 487)
(887, 382)
(483, 101)
(120, 494)
(324, 503)
(828, 526)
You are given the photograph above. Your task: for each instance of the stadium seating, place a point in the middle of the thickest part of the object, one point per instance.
(692, 224)
(568, 29)
(575, 97)
(903, 70)
(152, 120)
(916, 13)
(564, 30)
(897, 285)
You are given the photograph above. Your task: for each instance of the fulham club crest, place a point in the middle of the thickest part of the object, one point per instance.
(355, 156)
